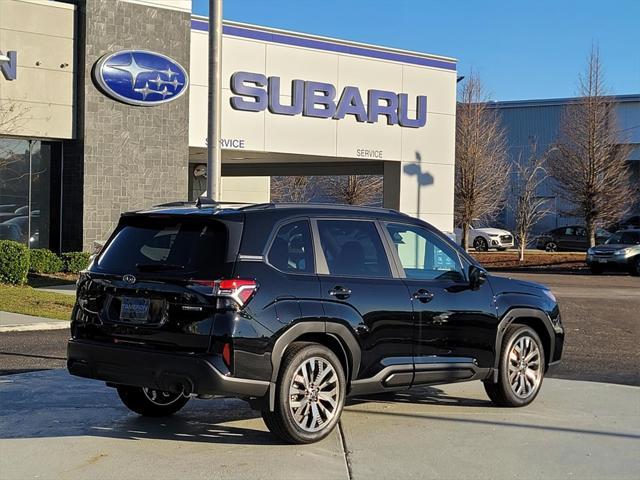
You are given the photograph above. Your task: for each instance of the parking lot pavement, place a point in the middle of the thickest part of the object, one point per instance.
(601, 316)
(56, 426)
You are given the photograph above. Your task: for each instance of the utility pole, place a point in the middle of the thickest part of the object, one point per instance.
(214, 158)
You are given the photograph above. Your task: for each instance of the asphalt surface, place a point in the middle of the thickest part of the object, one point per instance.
(55, 426)
(601, 315)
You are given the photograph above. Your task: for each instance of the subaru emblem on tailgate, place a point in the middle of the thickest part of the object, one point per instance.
(129, 278)
(140, 77)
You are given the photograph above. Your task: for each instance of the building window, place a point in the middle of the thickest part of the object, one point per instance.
(26, 191)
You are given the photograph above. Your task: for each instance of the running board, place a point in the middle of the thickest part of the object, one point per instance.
(432, 372)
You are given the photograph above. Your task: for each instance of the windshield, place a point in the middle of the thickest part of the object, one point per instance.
(170, 246)
(624, 238)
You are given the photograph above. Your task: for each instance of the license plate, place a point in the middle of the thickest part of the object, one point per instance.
(602, 260)
(134, 309)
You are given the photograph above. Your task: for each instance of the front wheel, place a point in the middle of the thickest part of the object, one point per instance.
(551, 247)
(596, 269)
(521, 368)
(309, 395)
(150, 402)
(635, 267)
(480, 244)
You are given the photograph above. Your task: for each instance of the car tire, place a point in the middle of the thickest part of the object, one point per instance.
(551, 247)
(519, 378)
(318, 406)
(151, 402)
(635, 267)
(480, 244)
(501, 249)
(596, 269)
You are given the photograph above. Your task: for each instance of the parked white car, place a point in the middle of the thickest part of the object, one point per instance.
(484, 238)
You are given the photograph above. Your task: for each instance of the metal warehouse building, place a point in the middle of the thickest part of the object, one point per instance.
(539, 121)
(107, 103)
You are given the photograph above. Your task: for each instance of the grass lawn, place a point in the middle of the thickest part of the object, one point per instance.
(29, 301)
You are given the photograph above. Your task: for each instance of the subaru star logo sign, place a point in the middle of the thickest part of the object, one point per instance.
(140, 77)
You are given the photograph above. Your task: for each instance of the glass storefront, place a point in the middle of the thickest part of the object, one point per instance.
(26, 193)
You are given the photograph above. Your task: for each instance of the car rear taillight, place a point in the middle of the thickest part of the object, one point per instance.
(237, 289)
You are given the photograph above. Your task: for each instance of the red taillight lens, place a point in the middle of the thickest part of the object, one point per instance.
(226, 354)
(237, 289)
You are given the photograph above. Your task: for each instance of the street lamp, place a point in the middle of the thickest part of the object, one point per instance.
(214, 160)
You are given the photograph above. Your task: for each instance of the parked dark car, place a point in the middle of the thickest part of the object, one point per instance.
(621, 252)
(631, 222)
(572, 238)
(296, 307)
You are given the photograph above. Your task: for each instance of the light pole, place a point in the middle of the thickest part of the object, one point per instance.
(214, 160)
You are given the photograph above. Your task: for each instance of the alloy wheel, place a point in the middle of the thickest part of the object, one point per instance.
(551, 247)
(525, 370)
(160, 397)
(314, 394)
(480, 244)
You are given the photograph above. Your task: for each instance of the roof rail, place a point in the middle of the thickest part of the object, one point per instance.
(173, 204)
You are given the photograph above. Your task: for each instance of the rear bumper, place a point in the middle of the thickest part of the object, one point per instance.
(190, 373)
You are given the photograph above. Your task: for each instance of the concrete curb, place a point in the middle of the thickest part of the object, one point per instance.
(56, 325)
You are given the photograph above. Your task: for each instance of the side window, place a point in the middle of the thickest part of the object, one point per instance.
(353, 248)
(291, 250)
(581, 232)
(569, 231)
(424, 255)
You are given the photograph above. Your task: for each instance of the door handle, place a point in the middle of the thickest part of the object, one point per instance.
(423, 295)
(340, 292)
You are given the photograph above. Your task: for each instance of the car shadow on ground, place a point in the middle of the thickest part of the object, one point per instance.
(420, 396)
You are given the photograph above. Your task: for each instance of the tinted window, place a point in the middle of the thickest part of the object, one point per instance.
(624, 238)
(424, 255)
(353, 248)
(173, 247)
(569, 231)
(291, 250)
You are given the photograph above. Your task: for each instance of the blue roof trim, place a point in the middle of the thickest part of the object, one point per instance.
(324, 45)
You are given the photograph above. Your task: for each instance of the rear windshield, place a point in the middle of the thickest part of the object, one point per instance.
(167, 247)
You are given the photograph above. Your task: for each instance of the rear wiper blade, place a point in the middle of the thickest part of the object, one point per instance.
(158, 267)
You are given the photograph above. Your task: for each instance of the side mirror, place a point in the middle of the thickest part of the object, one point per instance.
(477, 276)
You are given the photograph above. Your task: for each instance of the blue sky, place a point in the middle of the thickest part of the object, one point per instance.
(521, 49)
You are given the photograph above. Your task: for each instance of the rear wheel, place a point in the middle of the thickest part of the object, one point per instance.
(151, 402)
(309, 394)
(521, 368)
(480, 244)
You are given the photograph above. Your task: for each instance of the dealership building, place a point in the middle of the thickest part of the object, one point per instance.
(104, 110)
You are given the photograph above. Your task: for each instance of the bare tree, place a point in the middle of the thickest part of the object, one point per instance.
(529, 207)
(590, 160)
(12, 116)
(481, 158)
(354, 189)
(293, 189)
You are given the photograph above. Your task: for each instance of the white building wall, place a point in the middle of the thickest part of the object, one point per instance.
(426, 155)
(42, 34)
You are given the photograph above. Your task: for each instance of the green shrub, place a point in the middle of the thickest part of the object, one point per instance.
(14, 262)
(44, 261)
(73, 262)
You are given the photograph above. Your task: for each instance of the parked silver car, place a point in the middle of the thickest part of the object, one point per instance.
(620, 252)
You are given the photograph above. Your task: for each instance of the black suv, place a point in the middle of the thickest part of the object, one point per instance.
(295, 307)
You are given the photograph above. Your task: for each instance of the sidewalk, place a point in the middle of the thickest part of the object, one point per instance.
(64, 289)
(17, 322)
